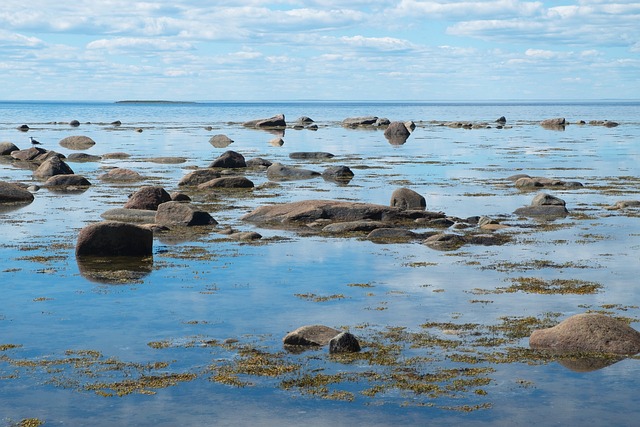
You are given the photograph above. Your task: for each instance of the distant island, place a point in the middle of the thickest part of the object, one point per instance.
(153, 102)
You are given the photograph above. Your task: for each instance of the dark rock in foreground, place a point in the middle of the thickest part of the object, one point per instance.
(12, 193)
(590, 332)
(114, 239)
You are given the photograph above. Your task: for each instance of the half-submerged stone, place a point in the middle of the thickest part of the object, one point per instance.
(320, 335)
(588, 332)
(344, 342)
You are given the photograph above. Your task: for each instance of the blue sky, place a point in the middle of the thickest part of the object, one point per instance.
(319, 49)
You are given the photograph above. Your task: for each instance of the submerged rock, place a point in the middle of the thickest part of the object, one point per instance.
(589, 332)
(310, 155)
(220, 141)
(227, 182)
(67, 181)
(199, 176)
(144, 216)
(338, 174)
(121, 175)
(114, 239)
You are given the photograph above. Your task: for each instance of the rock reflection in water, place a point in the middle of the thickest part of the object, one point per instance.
(114, 270)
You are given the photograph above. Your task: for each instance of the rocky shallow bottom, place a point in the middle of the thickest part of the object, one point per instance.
(440, 257)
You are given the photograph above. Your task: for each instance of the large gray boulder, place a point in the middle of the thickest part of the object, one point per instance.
(77, 142)
(12, 193)
(148, 198)
(279, 172)
(52, 166)
(589, 332)
(182, 214)
(112, 239)
(405, 198)
(229, 159)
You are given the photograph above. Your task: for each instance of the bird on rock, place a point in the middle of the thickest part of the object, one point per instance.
(33, 141)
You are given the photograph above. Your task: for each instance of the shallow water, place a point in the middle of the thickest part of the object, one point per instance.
(62, 333)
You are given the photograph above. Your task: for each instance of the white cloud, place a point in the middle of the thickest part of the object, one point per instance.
(126, 44)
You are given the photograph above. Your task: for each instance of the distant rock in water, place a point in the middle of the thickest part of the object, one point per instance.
(220, 141)
(310, 335)
(310, 155)
(544, 206)
(405, 198)
(121, 175)
(77, 142)
(359, 121)
(277, 121)
(554, 124)
(397, 133)
(279, 172)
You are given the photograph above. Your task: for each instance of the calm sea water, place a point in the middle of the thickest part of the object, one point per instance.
(54, 320)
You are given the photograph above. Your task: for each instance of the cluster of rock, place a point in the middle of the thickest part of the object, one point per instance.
(559, 123)
(526, 182)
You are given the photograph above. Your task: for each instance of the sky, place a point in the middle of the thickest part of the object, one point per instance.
(256, 50)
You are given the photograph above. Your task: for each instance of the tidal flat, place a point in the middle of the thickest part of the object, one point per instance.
(193, 335)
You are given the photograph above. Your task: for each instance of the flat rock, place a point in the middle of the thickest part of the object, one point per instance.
(83, 157)
(114, 239)
(121, 175)
(77, 142)
(310, 335)
(445, 242)
(352, 226)
(227, 182)
(144, 216)
(589, 332)
(359, 121)
(13, 193)
(279, 172)
(310, 155)
(182, 214)
(67, 181)
(308, 211)
(624, 204)
(392, 235)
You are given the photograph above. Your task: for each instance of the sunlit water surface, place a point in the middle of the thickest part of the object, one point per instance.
(253, 293)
